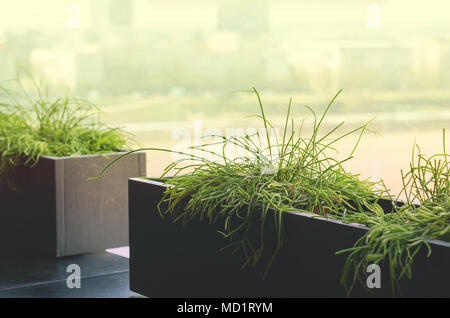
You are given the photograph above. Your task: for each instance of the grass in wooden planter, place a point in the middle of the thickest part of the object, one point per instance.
(32, 125)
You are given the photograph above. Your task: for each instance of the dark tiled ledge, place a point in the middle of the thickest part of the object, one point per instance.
(103, 275)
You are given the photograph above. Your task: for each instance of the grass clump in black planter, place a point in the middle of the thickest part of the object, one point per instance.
(32, 125)
(239, 195)
(396, 238)
(49, 146)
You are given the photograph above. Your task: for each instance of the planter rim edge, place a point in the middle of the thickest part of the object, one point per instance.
(301, 214)
(89, 155)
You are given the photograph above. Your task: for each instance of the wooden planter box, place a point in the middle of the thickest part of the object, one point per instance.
(56, 211)
(167, 260)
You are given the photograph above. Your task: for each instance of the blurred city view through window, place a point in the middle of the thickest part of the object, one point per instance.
(156, 66)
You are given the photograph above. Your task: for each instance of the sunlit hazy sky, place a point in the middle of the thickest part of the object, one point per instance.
(28, 14)
(388, 55)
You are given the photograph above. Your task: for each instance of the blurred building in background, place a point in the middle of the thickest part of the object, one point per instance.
(157, 65)
(116, 47)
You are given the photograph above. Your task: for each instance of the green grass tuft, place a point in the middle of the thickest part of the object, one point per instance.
(395, 239)
(32, 125)
(239, 195)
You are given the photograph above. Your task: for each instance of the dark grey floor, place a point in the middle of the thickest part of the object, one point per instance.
(103, 275)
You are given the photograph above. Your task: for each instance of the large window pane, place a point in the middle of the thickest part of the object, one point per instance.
(156, 66)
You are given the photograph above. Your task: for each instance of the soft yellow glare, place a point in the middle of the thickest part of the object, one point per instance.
(28, 14)
(175, 61)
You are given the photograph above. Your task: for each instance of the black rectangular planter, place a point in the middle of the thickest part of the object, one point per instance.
(55, 211)
(168, 260)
